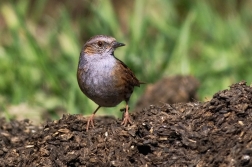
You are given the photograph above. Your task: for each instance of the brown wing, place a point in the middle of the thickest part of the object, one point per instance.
(126, 75)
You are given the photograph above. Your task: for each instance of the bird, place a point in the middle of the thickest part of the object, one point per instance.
(103, 78)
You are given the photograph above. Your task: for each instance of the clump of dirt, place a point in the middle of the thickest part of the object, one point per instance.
(181, 89)
(214, 133)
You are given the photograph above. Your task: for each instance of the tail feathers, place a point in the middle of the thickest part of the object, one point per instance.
(141, 82)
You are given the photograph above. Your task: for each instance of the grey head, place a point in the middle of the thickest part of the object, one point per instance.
(101, 45)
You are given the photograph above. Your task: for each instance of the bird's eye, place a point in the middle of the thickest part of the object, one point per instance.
(99, 43)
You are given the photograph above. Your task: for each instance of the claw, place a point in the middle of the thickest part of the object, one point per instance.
(126, 117)
(91, 119)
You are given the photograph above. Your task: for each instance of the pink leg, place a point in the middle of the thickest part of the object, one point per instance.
(91, 119)
(126, 116)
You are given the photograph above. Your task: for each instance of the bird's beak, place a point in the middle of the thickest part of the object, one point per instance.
(117, 44)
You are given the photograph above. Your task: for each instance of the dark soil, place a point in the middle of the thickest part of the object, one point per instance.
(214, 133)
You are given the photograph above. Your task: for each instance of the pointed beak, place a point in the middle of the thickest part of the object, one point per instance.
(117, 44)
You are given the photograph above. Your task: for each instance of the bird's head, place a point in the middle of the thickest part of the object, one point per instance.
(101, 44)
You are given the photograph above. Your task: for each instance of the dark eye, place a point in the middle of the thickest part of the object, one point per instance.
(99, 43)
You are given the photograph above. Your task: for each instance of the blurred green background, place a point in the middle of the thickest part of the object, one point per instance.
(40, 42)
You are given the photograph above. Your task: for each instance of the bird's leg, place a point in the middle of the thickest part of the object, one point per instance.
(126, 116)
(91, 119)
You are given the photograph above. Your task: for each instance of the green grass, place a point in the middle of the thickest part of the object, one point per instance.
(40, 44)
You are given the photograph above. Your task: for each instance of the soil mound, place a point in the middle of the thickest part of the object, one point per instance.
(214, 133)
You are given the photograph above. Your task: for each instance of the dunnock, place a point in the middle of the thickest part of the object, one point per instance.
(103, 78)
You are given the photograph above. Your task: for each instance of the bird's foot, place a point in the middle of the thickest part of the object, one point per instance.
(126, 119)
(90, 121)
